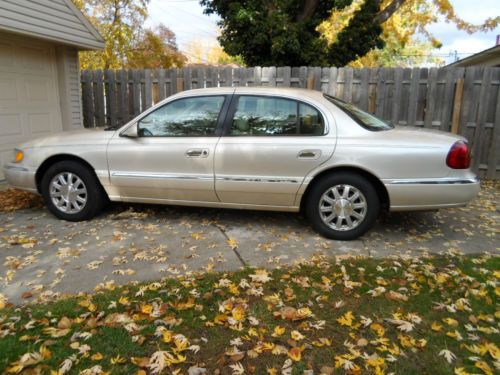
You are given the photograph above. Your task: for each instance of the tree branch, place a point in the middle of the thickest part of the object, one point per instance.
(308, 10)
(388, 11)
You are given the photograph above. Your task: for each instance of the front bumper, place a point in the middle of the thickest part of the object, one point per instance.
(20, 177)
(429, 194)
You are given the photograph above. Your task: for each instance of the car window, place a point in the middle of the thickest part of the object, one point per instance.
(268, 116)
(195, 116)
(365, 119)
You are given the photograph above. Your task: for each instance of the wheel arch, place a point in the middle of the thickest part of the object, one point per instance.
(47, 163)
(380, 188)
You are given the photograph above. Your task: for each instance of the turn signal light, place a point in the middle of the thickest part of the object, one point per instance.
(19, 156)
(459, 156)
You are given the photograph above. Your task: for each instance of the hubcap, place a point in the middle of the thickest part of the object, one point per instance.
(342, 207)
(68, 192)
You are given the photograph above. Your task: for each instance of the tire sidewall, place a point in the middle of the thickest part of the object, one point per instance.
(342, 178)
(94, 193)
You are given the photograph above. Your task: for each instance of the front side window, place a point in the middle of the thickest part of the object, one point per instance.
(267, 116)
(183, 118)
(365, 119)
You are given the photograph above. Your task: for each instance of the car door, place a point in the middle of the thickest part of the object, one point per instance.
(269, 145)
(170, 157)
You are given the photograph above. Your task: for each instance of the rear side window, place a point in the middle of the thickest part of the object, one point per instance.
(365, 119)
(271, 116)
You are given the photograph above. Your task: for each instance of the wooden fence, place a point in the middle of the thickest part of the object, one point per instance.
(461, 100)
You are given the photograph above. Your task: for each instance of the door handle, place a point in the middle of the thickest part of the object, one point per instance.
(197, 153)
(309, 154)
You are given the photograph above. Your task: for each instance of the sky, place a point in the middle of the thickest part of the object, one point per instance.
(186, 19)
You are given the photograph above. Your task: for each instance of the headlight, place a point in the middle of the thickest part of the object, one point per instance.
(18, 156)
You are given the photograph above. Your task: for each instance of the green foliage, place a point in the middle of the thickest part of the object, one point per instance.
(277, 32)
(331, 32)
(361, 35)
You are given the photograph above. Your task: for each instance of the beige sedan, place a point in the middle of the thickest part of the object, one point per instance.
(251, 148)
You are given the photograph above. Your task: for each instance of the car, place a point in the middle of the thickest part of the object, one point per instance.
(259, 148)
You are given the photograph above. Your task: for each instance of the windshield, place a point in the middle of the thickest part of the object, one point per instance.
(365, 119)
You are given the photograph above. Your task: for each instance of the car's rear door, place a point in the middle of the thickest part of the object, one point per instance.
(269, 145)
(172, 158)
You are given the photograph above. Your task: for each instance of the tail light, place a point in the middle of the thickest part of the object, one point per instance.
(459, 156)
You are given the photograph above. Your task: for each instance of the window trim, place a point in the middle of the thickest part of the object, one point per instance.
(356, 119)
(218, 126)
(234, 104)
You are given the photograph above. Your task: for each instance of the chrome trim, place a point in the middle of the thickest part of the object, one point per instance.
(15, 168)
(160, 175)
(439, 181)
(258, 179)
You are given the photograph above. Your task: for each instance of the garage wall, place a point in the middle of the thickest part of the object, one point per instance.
(69, 87)
(29, 93)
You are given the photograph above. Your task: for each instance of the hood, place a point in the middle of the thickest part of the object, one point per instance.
(71, 138)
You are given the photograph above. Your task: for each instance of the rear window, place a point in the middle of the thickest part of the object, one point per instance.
(365, 119)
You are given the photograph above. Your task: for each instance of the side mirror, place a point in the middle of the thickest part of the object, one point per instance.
(130, 132)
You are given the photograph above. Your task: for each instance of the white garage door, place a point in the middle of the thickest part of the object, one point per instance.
(29, 99)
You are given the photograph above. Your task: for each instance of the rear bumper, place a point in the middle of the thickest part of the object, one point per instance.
(428, 194)
(20, 177)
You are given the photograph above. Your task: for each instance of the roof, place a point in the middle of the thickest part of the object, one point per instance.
(58, 21)
(488, 57)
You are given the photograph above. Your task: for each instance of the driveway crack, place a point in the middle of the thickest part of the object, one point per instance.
(235, 249)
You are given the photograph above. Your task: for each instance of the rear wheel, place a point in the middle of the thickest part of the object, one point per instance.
(342, 206)
(71, 191)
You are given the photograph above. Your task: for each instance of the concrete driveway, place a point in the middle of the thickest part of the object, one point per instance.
(41, 256)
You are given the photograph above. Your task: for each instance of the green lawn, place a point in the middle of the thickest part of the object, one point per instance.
(426, 315)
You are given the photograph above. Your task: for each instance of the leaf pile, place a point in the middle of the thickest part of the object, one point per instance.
(15, 199)
(402, 315)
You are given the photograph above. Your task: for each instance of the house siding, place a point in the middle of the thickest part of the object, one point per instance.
(56, 20)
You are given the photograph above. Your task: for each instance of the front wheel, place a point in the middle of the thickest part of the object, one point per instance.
(71, 191)
(342, 206)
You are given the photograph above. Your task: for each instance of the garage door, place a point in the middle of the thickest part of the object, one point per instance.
(29, 99)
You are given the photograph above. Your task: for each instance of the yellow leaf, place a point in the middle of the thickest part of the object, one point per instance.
(45, 352)
(295, 354)
(232, 243)
(484, 366)
(96, 357)
(346, 319)
(278, 331)
(147, 309)
(435, 326)
(167, 336)
(451, 322)
(378, 329)
(117, 360)
(238, 313)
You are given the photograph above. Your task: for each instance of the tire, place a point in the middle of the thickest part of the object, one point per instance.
(84, 187)
(362, 208)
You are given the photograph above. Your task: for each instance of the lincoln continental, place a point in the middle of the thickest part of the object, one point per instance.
(251, 148)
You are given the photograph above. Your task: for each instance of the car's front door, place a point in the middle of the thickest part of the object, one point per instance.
(269, 146)
(172, 157)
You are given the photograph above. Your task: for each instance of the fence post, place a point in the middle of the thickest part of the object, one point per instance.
(457, 106)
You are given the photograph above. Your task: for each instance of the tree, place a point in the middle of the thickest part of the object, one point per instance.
(288, 32)
(156, 48)
(128, 44)
(405, 41)
(120, 23)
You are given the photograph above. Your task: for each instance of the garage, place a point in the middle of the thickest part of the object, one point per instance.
(29, 98)
(39, 73)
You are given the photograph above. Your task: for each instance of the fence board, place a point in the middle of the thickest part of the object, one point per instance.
(417, 97)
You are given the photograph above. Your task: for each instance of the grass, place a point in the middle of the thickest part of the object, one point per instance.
(447, 302)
